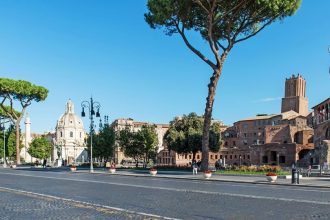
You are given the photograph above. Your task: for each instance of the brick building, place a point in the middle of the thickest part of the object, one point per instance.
(276, 139)
(321, 124)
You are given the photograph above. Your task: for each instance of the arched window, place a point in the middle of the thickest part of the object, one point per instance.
(71, 134)
(296, 138)
(61, 134)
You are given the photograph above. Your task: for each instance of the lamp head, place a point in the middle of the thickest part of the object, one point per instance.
(83, 113)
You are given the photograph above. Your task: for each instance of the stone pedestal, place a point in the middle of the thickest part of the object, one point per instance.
(58, 163)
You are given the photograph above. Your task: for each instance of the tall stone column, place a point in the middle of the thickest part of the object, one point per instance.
(27, 138)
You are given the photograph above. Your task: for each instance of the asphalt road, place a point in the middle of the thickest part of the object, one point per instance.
(40, 194)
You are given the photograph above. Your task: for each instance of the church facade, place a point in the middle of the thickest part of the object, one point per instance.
(70, 137)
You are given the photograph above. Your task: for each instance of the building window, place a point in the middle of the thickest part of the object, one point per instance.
(197, 157)
(189, 157)
(265, 159)
(310, 140)
(248, 156)
(221, 157)
(211, 157)
(185, 156)
(80, 134)
(71, 134)
(61, 134)
(226, 157)
(231, 156)
(282, 159)
(226, 143)
(273, 155)
(216, 157)
(235, 156)
(234, 143)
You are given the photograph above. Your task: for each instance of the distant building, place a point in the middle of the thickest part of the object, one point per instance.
(70, 137)
(295, 96)
(277, 139)
(321, 124)
(122, 123)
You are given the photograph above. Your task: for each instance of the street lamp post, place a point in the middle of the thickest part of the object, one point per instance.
(3, 127)
(90, 106)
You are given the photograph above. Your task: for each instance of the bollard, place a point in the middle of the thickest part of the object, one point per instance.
(295, 176)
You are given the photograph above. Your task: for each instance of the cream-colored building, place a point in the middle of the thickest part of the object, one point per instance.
(70, 137)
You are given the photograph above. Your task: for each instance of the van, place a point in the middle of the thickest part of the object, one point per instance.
(316, 169)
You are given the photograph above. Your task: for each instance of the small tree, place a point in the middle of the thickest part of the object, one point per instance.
(139, 145)
(185, 135)
(148, 139)
(24, 93)
(10, 142)
(40, 148)
(222, 23)
(103, 143)
(129, 141)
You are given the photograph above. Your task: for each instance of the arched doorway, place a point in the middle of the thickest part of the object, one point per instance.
(303, 153)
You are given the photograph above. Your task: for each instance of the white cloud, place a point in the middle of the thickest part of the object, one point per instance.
(269, 99)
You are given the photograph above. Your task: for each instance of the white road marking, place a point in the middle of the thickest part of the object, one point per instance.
(182, 190)
(86, 203)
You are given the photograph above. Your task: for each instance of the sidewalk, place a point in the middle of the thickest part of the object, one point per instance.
(321, 182)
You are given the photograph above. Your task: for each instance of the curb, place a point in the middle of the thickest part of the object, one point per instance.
(202, 179)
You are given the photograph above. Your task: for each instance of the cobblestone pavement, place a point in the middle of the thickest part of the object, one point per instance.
(18, 205)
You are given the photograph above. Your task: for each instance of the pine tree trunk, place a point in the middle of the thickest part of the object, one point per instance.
(208, 111)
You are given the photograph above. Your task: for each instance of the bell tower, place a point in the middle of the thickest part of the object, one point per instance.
(295, 95)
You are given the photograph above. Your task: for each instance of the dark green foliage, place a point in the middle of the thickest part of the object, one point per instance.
(185, 135)
(235, 19)
(40, 148)
(103, 143)
(140, 145)
(222, 23)
(10, 142)
(24, 93)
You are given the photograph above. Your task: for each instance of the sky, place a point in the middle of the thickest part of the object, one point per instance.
(105, 49)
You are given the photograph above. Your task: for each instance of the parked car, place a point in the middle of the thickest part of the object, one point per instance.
(316, 169)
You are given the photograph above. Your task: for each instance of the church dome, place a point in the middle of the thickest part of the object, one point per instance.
(69, 119)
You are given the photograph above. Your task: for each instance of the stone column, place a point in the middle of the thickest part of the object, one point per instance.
(27, 137)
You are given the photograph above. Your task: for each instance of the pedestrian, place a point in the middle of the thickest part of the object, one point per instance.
(309, 170)
(199, 164)
(44, 163)
(194, 166)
